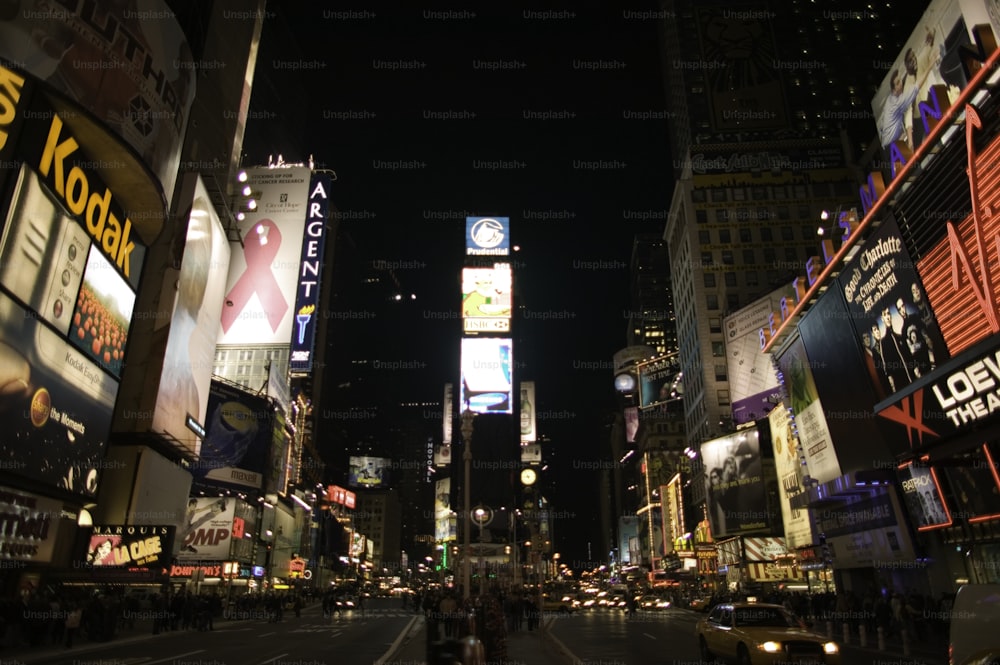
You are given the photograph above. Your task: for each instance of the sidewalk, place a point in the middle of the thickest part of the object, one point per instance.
(523, 648)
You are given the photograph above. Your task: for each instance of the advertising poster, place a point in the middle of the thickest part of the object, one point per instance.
(531, 453)
(443, 516)
(788, 465)
(264, 273)
(974, 484)
(737, 58)
(734, 484)
(237, 434)
(310, 275)
(447, 413)
(30, 527)
(528, 404)
(208, 529)
(122, 546)
(931, 58)
(658, 380)
(888, 309)
(368, 471)
(128, 63)
(923, 498)
(197, 292)
(276, 479)
(866, 532)
(673, 511)
(486, 299)
(628, 529)
(753, 385)
(442, 455)
(487, 236)
(814, 434)
(631, 423)
(486, 375)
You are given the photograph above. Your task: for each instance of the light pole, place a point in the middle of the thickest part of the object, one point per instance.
(480, 518)
(467, 425)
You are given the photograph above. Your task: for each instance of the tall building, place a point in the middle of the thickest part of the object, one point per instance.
(651, 320)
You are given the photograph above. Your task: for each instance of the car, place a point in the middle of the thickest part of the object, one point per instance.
(759, 634)
(699, 604)
(559, 603)
(653, 602)
(974, 616)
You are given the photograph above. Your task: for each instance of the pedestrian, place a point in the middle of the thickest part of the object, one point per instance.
(73, 620)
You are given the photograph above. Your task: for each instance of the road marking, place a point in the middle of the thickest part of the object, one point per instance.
(171, 658)
(271, 660)
(266, 634)
(649, 636)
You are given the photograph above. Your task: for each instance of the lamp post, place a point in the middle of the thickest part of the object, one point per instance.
(481, 518)
(467, 425)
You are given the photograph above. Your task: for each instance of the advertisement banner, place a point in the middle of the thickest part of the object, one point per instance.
(447, 413)
(29, 522)
(867, 532)
(442, 456)
(659, 380)
(531, 453)
(486, 375)
(528, 423)
(264, 273)
(208, 529)
(810, 421)
(486, 299)
(237, 435)
(310, 275)
(369, 471)
(753, 384)
(631, 423)
(673, 512)
(738, 41)
(788, 465)
(734, 483)
(628, 530)
(763, 548)
(772, 572)
(197, 292)
(889, 312)
(130, 546)
(128, 63)
(923, 497)
(487, 236)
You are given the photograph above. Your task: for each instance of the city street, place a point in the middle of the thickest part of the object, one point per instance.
(353, 639)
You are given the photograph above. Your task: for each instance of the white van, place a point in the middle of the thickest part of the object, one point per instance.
(975, 617)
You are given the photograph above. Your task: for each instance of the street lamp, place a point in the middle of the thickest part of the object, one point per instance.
(481, 518)
(466, 428)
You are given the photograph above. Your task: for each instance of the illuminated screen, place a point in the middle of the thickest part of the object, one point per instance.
(923, 497)
(130, 546)
(486, 375)
(103, 312)
(734, 483)
(486, 298)
(368, 472)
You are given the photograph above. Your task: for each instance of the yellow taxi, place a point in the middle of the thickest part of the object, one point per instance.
(759, 633)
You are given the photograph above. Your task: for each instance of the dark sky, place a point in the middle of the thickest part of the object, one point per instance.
(427, 117)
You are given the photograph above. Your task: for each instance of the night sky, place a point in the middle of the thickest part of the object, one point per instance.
(555, 119)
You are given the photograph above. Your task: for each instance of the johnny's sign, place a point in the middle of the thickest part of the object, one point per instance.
(964, 395)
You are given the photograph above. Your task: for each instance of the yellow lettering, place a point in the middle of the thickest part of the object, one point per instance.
(111, 237)
(124, 248)
(77, 182)
(10, 86)
(97, 203)
(56, 152)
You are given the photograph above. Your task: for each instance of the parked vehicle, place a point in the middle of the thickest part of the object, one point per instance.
(974, 619)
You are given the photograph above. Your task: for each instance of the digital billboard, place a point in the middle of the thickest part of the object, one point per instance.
(752, 382)
(866, 531)
(734, 484)
(369, 471)
(889, 311)
(486, 299)
(659, 381)
(30, 530)
(310, 275)
(196, 290)
(487, 236)
(810, 419)
(528, 410)
(130, 546)
(447, 413)
(486, 375)
(264, 273)
(208, 529)
(797, 522)
(444, 519)
(923, 497)
(145, 97)
(237, 433)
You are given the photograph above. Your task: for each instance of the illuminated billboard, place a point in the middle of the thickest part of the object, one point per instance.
(447, 414)
(923, 497)
(734, 483)
(753, 385)
(486, 375)
(487, 236)
(659, 381)
(797, 522)
(486, 299)
(30, 530)
(444, 518)
(310, 274)
(207, 530)
(369, 471)
(237, 434)
(528, 410)
(130, 546)
(264, 273)
(196, 290)
(145, 97)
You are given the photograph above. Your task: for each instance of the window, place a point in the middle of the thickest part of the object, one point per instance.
(723, 397)
(727, 257)
(706, 259)
(698, 195)
(709, 280)
(722, 215)
(748, 256)
(730, 278)
(714, 324)
(808, 232)
(712, 301)
(720, 373)
(787, 234)
(791, 255)
(751, 277)
(769, 255)
(784, 213)
(725, 236)
(803, 212)
(718, 350)
(739, 194)
(732, 302)
(719, 195)
(745, 235)
(704, 237)
(765, 234)
(701, 216)
(759, 193)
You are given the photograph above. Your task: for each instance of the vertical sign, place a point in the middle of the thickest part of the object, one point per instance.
(310, 270)
(528, 432)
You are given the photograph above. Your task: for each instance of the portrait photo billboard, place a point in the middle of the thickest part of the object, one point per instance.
(734, 484)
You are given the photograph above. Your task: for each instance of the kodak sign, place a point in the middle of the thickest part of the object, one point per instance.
(82, 194)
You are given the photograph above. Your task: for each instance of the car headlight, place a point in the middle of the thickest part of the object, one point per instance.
(830, 647)
(770, 647)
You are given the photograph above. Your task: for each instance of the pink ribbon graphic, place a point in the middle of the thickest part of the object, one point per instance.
(258, 278)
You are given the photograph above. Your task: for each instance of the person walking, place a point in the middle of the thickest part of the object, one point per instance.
(73, 619)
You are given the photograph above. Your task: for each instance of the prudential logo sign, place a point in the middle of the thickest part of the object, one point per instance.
(487, 236)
